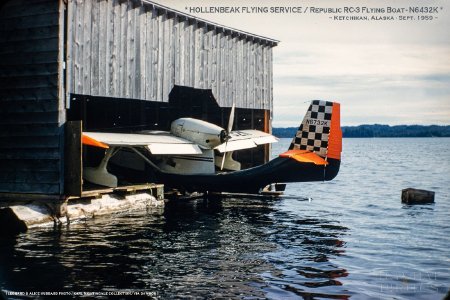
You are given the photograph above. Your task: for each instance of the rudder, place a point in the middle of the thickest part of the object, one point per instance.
(320, 130)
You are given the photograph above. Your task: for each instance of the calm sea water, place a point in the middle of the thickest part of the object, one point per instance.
(352, 239)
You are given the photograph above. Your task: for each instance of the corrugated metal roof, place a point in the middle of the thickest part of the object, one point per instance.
(211, 25)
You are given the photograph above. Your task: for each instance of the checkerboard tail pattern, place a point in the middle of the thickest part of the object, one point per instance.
(313, 133)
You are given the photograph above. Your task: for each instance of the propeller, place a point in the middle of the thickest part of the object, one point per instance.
(229, 128)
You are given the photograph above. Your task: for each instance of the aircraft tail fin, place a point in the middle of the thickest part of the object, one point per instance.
(320, 131)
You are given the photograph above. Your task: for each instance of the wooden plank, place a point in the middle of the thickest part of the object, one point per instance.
(19, 176)
(44, 20)
(18, 4)
(197, 58)
(213, 72)
(29, 118)
(155, 55)
(267, 65)
(142, 52)
(192, 53)
(29, 34)
(251, 103)
(103, 53)
(27, 187)
(203, 58)
(149, 56)
(73, 159)
(25, 59)
(95, 48)
(77, 47)
(160, 78)
(27, 93)
(187, 53)
(19, 82)
(41, 105)
(234, 73)
(36, 153)
(264, 74)
(131, 52)
(177, 28)
(115, 46)
(42, 8)
(69, 53)
(42, 45)
(11, 130)
(245, 100)
(222, 68)
(173, 37)
(20, 142)
(122, 51)
(61, 66)
(258, 74)
(87, 44)
(167, 66)
(33, 165)
(270, 83)
(137, 54)
(8, 196)
(21, 70)
(240, 72)
(231, 70)
(108, 11)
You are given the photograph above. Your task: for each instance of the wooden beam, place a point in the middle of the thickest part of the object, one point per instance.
(73, 159)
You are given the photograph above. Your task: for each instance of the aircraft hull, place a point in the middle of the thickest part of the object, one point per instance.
(278, 170)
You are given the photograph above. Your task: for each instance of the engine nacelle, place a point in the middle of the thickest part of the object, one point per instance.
(200, 132)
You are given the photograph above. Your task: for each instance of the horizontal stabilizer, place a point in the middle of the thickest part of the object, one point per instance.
(304, 156)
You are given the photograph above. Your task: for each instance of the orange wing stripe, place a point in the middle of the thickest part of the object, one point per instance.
(92, 142)
(304, 156)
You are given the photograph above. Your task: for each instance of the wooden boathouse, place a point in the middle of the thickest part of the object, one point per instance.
(119, 66)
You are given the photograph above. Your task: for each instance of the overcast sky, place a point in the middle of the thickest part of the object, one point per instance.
(386, 72)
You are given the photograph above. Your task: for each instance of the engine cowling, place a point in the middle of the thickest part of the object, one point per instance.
(200, 132)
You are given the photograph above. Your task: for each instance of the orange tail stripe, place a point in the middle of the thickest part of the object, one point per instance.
(304, 156)
(92, 142)
(335, 136)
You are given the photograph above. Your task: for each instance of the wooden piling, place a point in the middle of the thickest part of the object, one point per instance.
(416, 196)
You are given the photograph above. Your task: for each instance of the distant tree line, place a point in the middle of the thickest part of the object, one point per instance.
(377, 130)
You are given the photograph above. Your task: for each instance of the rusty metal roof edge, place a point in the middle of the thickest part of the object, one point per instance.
(273, 42)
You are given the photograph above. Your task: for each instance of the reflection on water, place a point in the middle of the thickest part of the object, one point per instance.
(304, 257)
(203, 248)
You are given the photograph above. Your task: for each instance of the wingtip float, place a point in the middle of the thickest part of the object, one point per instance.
(186, 157)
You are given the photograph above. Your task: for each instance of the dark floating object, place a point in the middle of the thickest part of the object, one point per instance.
(416, 196)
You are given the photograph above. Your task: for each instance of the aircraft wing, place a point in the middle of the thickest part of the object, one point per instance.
(244, 139)
(158, 142)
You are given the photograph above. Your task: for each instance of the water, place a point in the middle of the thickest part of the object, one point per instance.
(353, 240)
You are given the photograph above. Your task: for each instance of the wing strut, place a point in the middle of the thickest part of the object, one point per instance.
(100, 175)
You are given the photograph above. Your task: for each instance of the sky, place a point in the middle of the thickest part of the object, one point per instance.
(381, 71)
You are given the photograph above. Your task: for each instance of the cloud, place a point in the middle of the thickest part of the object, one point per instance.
(402, 84)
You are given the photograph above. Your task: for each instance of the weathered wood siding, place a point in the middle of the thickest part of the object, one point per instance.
(31, 116)
(136, 50)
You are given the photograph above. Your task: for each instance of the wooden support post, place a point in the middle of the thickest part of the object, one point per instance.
(73, 159)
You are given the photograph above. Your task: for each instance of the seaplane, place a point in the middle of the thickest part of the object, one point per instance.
(196, 156)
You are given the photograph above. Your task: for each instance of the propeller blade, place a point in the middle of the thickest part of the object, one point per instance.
(223, 159)
(229, 128)
(231, 120)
